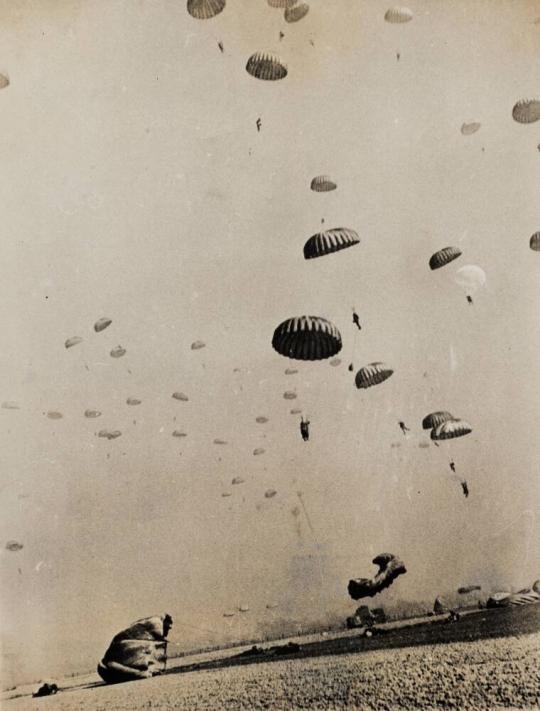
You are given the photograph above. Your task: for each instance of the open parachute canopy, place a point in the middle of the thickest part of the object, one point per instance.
(205, 9)
(75, 340)
(470, 127)
(282, 4)
(266, 66)
(444, 257)
(307, 338)
(323, 184)
(526, 111)
(470, 278)
(372, 374)
(534, 242)
(390, 567)
(330, 241)
(101, 324)
(434, 419)
(451, 429)
(398, 15)
(294, 14)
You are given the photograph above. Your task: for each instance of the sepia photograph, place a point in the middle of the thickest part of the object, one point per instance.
(269, 375)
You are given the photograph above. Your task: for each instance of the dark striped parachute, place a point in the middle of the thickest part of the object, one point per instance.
(434, 419)
(526, 111)
(390, 567)
(75, 340)
(266, 66)
(451, 429)
(322, 184)
(534, 242)
(330, 241)
(444, 257)
(205, 9)
(372, 374)
(101, 324)
(307, 338)
(398, 15)
(468, 589)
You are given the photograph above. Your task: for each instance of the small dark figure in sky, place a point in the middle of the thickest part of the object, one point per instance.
(281, 36)
(220, 45)
(465, 489)
(356, 320)
(258, 123)
(453, 467)
(398, 55)
(304, 429)
(351, 367)
(469, 299)
(404, 427)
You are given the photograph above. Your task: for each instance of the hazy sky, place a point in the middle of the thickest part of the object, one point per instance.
(135, 186)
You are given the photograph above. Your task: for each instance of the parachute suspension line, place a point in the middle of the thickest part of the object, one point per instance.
(308, 519)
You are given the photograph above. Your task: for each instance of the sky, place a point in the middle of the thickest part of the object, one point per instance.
(137, 187)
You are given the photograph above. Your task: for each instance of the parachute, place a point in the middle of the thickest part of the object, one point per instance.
(398, 15)
(470, 278)
(14, 546)
(205, 9)
(307, 338)
(91, 414)
(228, 614)
(220, 441)
(296, 411)
(138, 652)
(468, 588)
(266, 66)
(290, 395)
(101, 324)
(282, 4)
(133, 401)
(197, 345)
(237, 480)
(53, 415)
(444, 257)
(118, 352)
(334, 240)
(261, 419)
(451, 429)
(258, 451)
(526, 111)
(7, 405)
(467, 129)
(73, 341)
(270, 493)
(294, 14)
(534, 242)
(322, 184)
(434, 419)
(180, 396)
(291, 371)
(335, 362)
(372, 374)
(4, 81)
(524, 597)
(178, 433)
(109, 434)
(390, 567)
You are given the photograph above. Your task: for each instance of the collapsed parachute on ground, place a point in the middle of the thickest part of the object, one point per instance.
(180, 396)
(307, 338)
(118, 352)
(9, 405)
(4, 81)
(261, 419)
(109, 434)
(133, 401)
(294, 14)
(468, 128)
(266, 66)
(178, 433)
(434, 419)
(90, 414)
(322, 184)
(53, 415)
(330, 241)
(444, 257)
(138, 652)
(270, 493)
(534, 242)
(372, 374)
(205, 9)
(14, 546)
(526, 111)
(468, 588)
(197, 345)
(451, 429)
(390, 567)
(258, 451)
(101, 324)
(74, 341)
(398, 15)
(523, 597)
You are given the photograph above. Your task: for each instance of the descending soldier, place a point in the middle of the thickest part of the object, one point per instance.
(304, 429)
(356, 320)
(404, 428)
(465, 489)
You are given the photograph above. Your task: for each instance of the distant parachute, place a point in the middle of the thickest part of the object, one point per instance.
(220, 441)
(290, 395)
(133, 401)
(237, 480)
(444, 257)
(290, 371)
(526, 111)
(14, 547)
(226, 494)
(228, 614)
(101, 324)
(7, 405)
(468, 588)
(90, 414)
(294, 14)
(54, 415)
(434, 419)
(282, 4)
(296, 411)
(322, 184)
(178, 433)
(372, 374)
(467, 129)
(180, 396)
(398, 15)
(335, 362)
(4, 81)
(118, 352)
(390, 567)
(109, 434)
(205, 9)
(261, 419)
(329, 241)
(503, 599)
(270, 493)
(534, 242)
(258, 451)
(470, 278)
(75, 340)
(266, 66)
(307, 338)
(197, 345)
(451, 429)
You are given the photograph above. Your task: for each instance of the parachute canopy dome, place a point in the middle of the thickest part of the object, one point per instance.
(526, 111)
(372, 374)
(4, 81)
(534, 242)
(451, 429)
(398, 15)
(470, 278)
(109, 434)
(178, 433)
(118, 352)
(330, 241)
(294, 14)
(180, 396)
(307, 338)
(73, 341)
(270, 493)
(197, 345)
(101, 324)
(266, 66)
(133, 401)
(258, 451)
(323, 184)
(261, 419)
(53, 415)
(443, 257)
(434, 419)
(14, 546)
(290, 371)
(468, 128)
(468, 588)
(91, 414)
(205, 9)
(282, 4)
